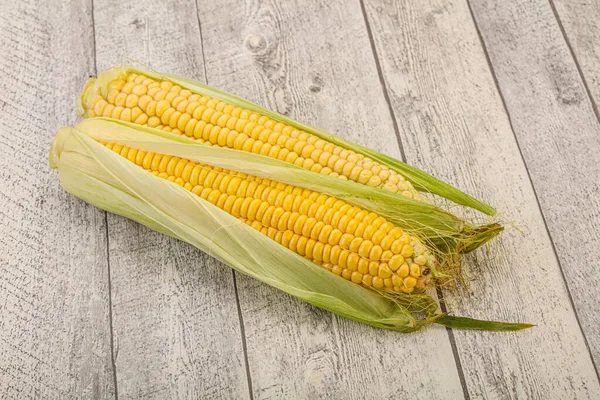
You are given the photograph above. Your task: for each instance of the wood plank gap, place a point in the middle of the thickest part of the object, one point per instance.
(461, 373)
(173, 307)
(235, 286)
(205, 75)
(579, 70)
(451, 338)
(562, 272)
(289, 58)
(110, 307)
(94, 45)
(243, 333)
(384, 88)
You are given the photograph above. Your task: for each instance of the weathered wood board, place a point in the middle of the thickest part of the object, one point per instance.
(575, 140)
(294, 57)
(497, 98)
(55, 337)
(454, 125)
(175, 319)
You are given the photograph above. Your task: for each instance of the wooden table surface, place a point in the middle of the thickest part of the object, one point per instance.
(498, 98)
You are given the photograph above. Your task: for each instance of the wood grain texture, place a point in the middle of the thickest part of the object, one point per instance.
(178, 332)
(295, 57)
(454, 125)
(175, 318)
(54, 313)
(581, 22)
(559, 136)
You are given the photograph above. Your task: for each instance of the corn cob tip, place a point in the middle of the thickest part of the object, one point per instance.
(57, 147)
(95, 87)
(86, 95)
(477, 236)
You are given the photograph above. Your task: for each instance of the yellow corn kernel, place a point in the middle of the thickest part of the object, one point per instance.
(384, 271)
(403, 271)
(407, 251)
(410, 282)
(395, 262)
(357, 277)
(415, 270)
(375, 253)
(378, 282)
(367, 280)
(373, 268)
(363, 266)
(386, 255)
(420, 259)
(347, 274)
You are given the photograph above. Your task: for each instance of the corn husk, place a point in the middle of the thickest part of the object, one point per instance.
(97, 175)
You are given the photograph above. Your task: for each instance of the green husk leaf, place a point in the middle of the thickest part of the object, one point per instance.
(420, 179)
(478, 324)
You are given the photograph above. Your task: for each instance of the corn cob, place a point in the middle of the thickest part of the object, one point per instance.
(216, 118)
(296, 235)
(138, 98)
(349, 241)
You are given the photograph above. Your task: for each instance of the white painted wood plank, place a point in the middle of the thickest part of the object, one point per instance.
(580, 20)
(176, 322)
(575, 226)
(312, 60)
(54, 308)
(454, 125)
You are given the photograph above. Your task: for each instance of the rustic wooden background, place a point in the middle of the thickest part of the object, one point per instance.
(497, 97)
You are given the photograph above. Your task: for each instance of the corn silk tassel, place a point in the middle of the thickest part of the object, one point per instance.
(90, 170)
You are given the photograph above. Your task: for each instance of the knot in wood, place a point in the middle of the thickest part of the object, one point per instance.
(256, 43)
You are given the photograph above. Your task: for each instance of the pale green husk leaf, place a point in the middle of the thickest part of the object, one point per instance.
(101, 177)
(92, 172)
